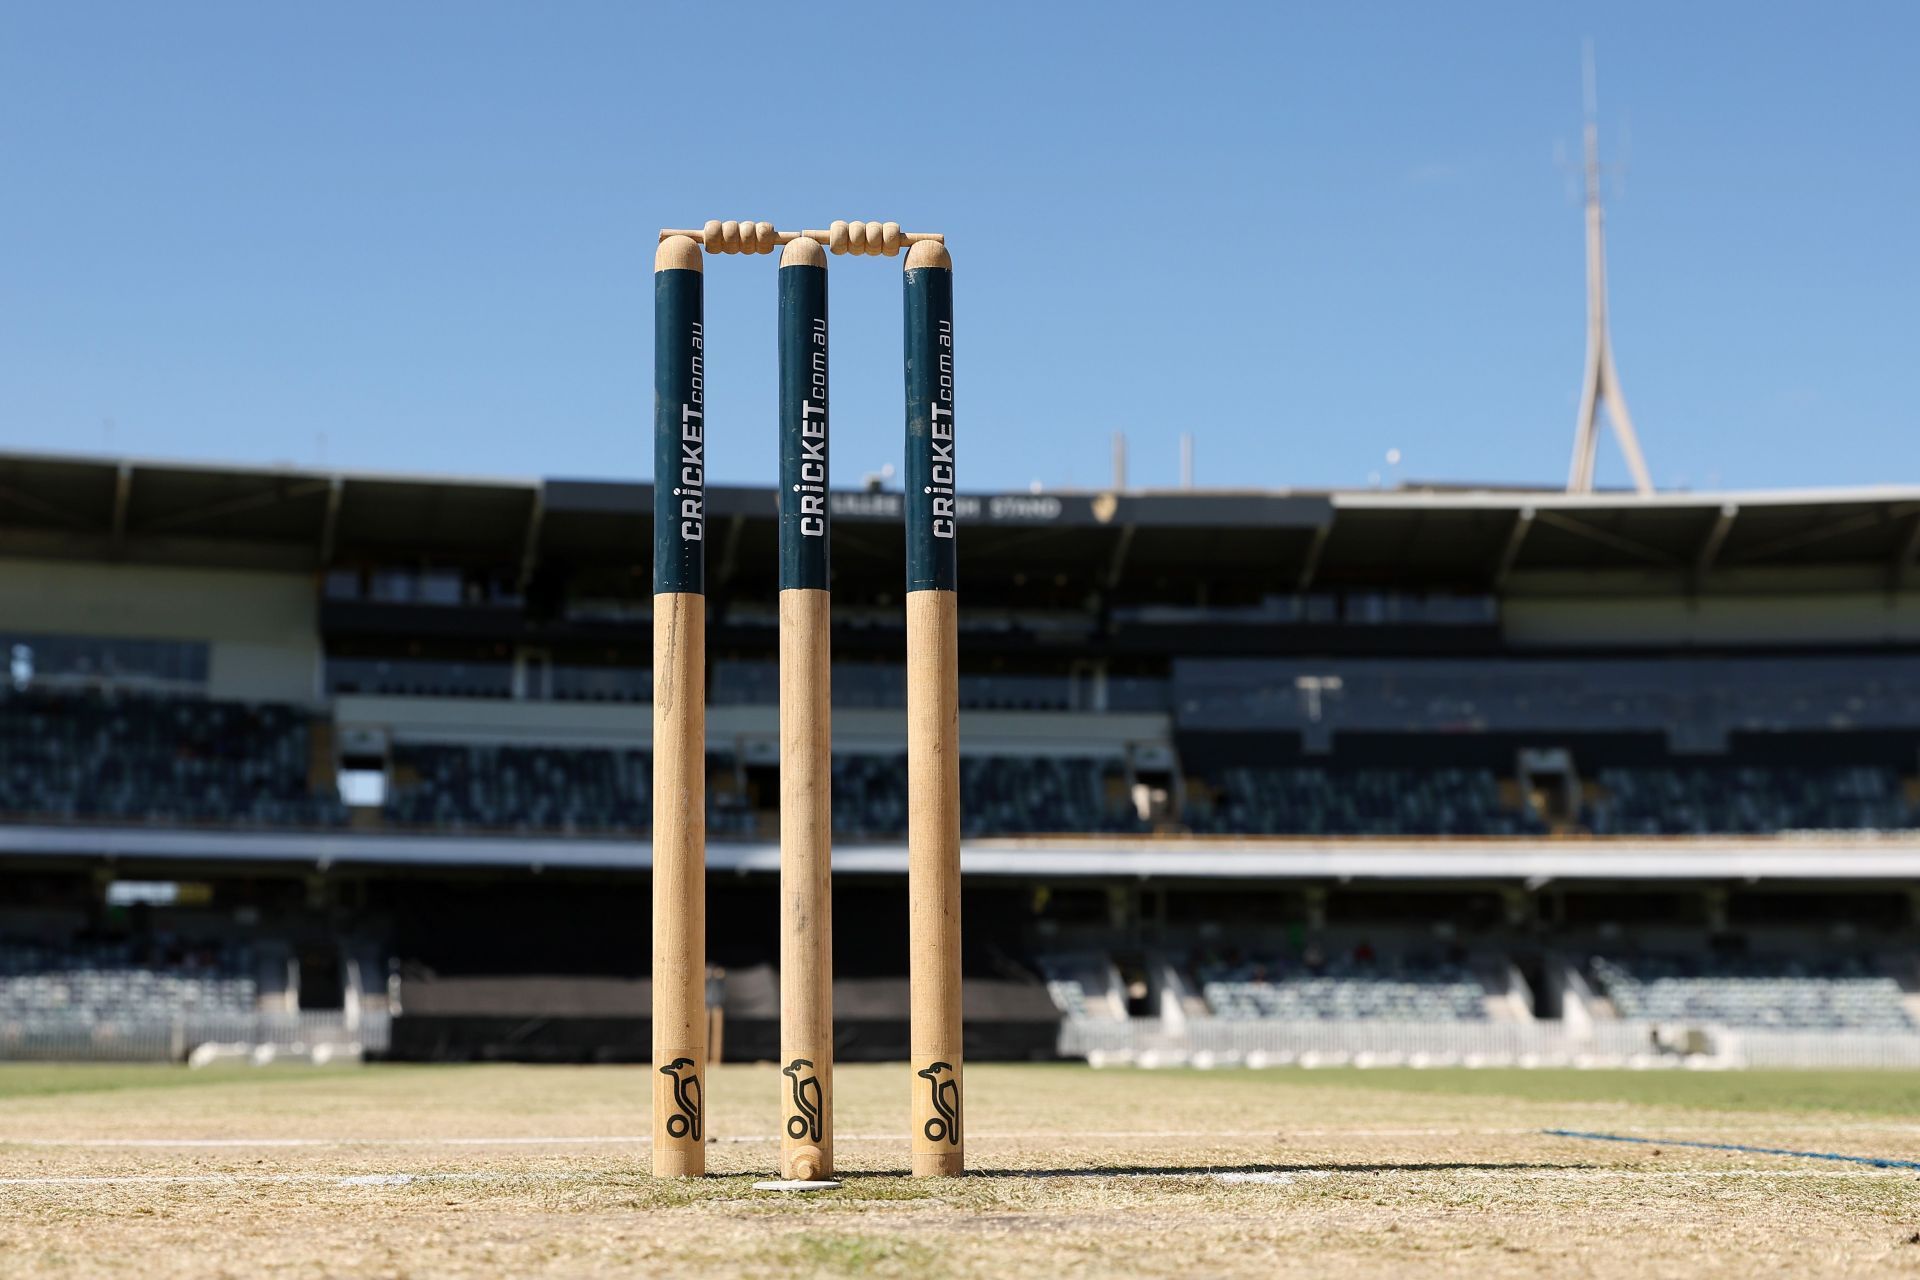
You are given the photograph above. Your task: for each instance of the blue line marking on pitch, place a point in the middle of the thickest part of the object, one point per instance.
(1878, 1162)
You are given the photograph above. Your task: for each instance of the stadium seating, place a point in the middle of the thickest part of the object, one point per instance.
(584, 789)
(1068, 996)
(507, 788)
(141, 758)
(1708, 800)
(1689, 698)
(145, 758)
(869, 795)
(1079, 985)
(999, 795)
(1008, 795)
(90, 983)
(1771, 992)
(1310, 989)
(1378, 802)
(596, 789)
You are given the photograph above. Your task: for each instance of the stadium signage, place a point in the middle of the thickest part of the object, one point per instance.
(1012, 508)
(812, 485)
(941, 430)
(930, 503)
(805, 529)
(1021, 507)
(679, 433)
(692, 471)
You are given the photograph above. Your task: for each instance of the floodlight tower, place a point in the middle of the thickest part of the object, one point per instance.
(1601, 381)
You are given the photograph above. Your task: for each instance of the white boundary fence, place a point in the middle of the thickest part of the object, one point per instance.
(1146, 1042)
(263, 1036)
(1223, 1042)
(1818, 1048)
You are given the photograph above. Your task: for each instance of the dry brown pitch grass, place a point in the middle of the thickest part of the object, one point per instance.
(483, 1171)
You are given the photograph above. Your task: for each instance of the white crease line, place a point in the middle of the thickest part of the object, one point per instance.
(1282, 1134)
(269, 1179)
(627, 1139)
(165, 1143)
(1228, 1176)
(1594, 1175)
(1642, 1120)
(1236, 1176)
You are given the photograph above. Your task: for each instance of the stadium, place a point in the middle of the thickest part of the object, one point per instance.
(304, 769)
(495, 855)
(360, 763)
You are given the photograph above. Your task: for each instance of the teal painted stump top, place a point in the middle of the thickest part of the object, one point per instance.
(932, 523)
(679, 433)
(805, 521)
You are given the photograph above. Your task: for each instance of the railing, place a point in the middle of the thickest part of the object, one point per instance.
(174, 1039)
(1276, 1042)
(1818, 1048)
(873, 685)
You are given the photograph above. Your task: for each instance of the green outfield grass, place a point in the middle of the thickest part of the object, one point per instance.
(483, 1171)
(1878, 1093)
(28, 1079)
(1886, 1093)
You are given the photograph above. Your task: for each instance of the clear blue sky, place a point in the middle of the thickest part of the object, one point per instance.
(419, 237)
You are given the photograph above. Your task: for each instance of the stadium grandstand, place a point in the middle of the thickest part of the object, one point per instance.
(297, 761)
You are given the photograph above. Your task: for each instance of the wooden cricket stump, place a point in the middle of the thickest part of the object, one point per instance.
(806, 724)
(933, 719)
(806, 733)
(680, 1028)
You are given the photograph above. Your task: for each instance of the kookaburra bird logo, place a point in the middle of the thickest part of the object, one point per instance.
(686, 1096)
(804, 1124)
(944, 1085)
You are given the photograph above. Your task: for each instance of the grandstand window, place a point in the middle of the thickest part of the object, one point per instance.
(422, 586)
(1462, 610)
(109, 660)
(390, 586)
(1378, 608)
(1368, 607)
(438, 586)
(419, 677)
(858, 684)
(611, 609)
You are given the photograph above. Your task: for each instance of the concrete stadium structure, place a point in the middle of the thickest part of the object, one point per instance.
(1525, 725)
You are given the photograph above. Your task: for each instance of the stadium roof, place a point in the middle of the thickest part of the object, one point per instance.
(1439, 538)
